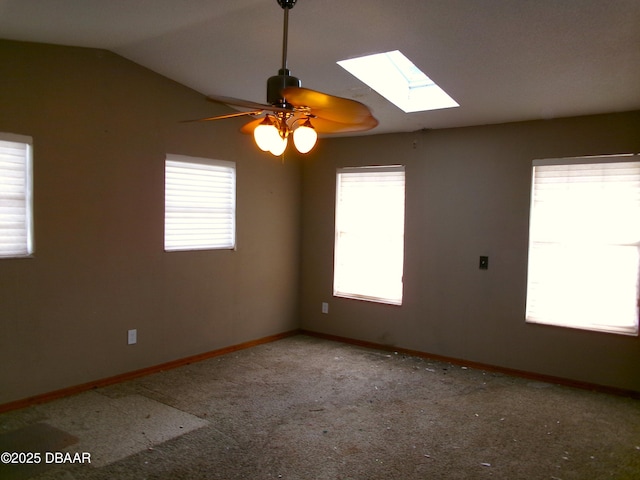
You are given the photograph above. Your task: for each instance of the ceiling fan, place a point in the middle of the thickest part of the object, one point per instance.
(295, 111)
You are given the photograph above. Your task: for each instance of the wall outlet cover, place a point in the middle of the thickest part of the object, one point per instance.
(132, 337)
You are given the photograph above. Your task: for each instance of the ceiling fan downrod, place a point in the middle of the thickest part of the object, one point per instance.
(284, 79)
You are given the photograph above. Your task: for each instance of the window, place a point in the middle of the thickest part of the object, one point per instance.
(369, 235)
(584, 244)
(16, 207)
(200, 204)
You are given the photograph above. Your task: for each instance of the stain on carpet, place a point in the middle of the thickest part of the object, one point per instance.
(37, 438)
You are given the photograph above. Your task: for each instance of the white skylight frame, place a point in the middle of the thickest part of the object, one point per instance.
(396, 78)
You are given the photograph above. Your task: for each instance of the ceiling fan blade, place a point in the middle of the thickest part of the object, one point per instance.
(329, 107)
(249, 127)
(323, 125)
(222, 117)
(237, 102)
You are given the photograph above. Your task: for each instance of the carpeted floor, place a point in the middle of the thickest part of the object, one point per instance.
(304, 408)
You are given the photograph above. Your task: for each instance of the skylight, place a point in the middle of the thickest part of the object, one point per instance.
(396, 78)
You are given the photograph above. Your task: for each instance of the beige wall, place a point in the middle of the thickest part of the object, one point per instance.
(467, 194)
(101, 127)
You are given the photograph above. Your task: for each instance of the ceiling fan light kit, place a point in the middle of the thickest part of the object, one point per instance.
(269, 138)
(293, 110)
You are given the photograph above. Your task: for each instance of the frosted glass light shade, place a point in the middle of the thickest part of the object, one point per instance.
(304, 138)
(278, 145)
(266, 135)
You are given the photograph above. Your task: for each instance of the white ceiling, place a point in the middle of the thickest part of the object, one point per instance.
(501, 60)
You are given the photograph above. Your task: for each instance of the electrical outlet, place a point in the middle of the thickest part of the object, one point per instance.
(132, 337)
(325, 307)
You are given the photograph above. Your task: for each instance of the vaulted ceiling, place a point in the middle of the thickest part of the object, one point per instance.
(501, 60)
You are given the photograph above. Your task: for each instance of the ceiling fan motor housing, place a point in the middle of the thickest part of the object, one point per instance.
(277, 83)
(287, 3)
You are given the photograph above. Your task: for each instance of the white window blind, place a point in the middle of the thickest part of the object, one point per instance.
(369, 234)
(16, 210)
(584, 244)
(200, 203)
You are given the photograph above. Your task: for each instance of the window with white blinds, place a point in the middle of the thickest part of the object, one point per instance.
(584, 244)
(16, 208)
(200, 204)
(369, 234)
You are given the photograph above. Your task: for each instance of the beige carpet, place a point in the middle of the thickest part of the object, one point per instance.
(306, 408)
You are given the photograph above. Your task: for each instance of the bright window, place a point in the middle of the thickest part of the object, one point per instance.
(16, 206)
(369, 235)
(584, 244)
(200, 204)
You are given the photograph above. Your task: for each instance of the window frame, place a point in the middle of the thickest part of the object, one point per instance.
(27, 246)
(207, 164)
(340, 285)
(559, 249)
